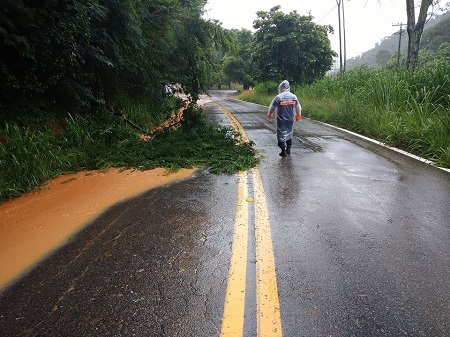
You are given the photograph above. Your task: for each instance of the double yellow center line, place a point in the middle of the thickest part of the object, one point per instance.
(267, 303)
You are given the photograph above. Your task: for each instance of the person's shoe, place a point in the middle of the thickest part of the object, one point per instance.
(288, 146)
(282, 146)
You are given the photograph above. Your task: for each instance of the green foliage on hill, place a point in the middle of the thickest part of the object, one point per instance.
(436, 33)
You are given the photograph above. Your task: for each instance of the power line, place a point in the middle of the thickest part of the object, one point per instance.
(332, 9)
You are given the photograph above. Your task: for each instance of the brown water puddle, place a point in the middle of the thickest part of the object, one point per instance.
(35, 224)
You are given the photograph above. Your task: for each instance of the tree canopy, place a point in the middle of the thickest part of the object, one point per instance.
(237, 64)
(77, 54)
(290, 46)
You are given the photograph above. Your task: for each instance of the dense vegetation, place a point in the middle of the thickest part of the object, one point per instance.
(290, 46)
(30, 156)
(406, 109)
(60, 56)
(283, 46)
(81, 82)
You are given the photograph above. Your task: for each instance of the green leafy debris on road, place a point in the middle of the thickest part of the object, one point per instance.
(30, 157)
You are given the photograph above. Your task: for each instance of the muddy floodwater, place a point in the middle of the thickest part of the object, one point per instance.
(35, 224)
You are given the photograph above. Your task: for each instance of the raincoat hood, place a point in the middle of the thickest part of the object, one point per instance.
(284, 86)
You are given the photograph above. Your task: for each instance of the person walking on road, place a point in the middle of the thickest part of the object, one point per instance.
(288, 108)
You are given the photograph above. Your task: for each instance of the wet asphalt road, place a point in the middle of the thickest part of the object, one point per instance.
(361, 239)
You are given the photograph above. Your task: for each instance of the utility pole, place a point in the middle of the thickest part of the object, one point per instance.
(345, 40)
(339, 2)
(341, 17)
(400, 33)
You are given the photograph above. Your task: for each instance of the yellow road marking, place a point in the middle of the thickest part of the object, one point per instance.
(234, 123)
(233, 316)
(267, 302)
(268, 307)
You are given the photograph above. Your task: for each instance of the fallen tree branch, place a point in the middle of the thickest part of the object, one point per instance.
(114, 112)
(173, 122)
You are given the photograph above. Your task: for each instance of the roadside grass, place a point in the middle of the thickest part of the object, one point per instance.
(408, 110)
(254, 97)
(27, 158)
(31, 156)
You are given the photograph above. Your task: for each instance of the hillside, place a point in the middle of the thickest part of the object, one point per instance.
(436, 32)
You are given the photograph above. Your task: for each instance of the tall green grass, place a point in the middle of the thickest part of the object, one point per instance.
(409, 110)
(27, 158)
(406, 109)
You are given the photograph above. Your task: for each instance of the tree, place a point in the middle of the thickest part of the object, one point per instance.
(60, 55)
(44, 50)
(415, 29)
(237, 65)
(290, 46)
(196, 43)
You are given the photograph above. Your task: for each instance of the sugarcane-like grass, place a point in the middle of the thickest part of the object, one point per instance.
(406, 109)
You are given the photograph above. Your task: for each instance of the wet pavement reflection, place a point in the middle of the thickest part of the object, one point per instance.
(360, 233)
(360, 239)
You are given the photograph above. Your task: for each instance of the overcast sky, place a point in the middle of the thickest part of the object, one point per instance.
(367, 22)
